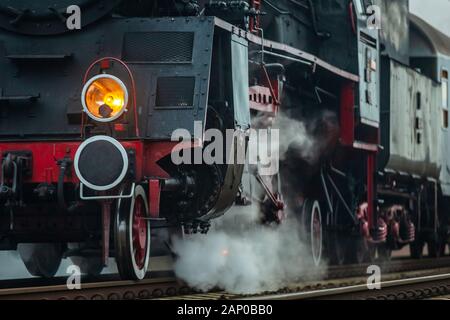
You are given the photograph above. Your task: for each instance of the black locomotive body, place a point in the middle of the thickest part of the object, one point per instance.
(90, 178)
(66, 178)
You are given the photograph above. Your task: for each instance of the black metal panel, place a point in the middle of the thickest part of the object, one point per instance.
(175, 92)
(175, 95)
(287, 22)
(31, 67)
(158, 47)
(321, 28)
(55, 86)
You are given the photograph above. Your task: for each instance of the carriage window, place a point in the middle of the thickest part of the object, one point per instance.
(444, 80)
(445, 88)
(419, 101)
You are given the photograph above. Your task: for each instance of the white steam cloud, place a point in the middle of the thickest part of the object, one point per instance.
(294, 132)
(239, 255)
(244, 260)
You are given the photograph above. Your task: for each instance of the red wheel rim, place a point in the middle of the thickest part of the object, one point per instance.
(139, 232)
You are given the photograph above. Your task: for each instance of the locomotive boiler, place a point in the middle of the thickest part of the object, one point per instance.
(90, 121)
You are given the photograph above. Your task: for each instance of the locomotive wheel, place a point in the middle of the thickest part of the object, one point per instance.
(92, 266)
(132, 235)
(312, 226)
(41, 259)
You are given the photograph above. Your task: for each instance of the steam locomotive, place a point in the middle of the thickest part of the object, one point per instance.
(87, 116)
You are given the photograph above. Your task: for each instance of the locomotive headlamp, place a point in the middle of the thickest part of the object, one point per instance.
(104, 98)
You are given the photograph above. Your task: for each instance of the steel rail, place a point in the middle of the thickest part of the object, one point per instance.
(354, 276)
(345, 291)
(167, 286)
(110, 290)
(392, 266)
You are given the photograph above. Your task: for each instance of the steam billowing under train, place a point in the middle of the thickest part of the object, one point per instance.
(87, 116)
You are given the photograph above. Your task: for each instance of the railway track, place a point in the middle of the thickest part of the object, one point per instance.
(401, 279)
(414, 286)
(168, 287)
(393, 266)
(107, 290)
(402, 289)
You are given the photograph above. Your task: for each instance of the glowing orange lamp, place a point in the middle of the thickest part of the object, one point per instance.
(104, 98)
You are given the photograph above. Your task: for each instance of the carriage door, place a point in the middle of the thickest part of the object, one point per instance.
(445, 173)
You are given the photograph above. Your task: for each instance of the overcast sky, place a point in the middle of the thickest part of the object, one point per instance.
(436, 12)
